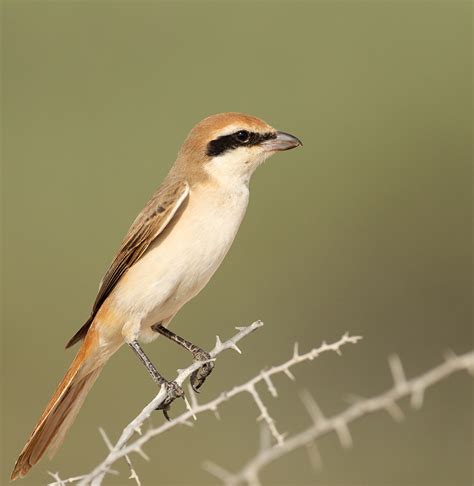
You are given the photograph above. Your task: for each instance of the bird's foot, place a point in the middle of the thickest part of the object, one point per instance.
(199, 376)
(173, 391)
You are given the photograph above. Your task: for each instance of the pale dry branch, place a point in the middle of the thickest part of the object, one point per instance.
(414, 388)
(125, 446)
(133, 473)
(120, 449)
(62, 482)
(134, 427)
(247, 387)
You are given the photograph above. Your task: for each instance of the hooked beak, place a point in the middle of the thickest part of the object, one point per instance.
(282, 141)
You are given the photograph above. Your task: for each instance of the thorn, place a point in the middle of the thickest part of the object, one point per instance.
(217, 471)
(188, 406)
(105, 438)
(235, 347)
(395, 411)
(344, 434)
(289, 374)
(417, 398)
(265, 438)
(192, 394)
(397, 370)
(295, 351)
(314, 456)
(142, 453)
(218, 342)
(270, 385)
(312, 407)
(187, 423)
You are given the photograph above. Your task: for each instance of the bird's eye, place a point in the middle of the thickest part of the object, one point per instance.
(242, 136)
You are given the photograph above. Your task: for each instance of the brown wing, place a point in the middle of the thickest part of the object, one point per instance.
(147, 226)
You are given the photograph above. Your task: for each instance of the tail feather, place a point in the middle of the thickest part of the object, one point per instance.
(60, 412)
(77, 399)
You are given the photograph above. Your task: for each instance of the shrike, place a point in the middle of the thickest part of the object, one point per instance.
(169, 254)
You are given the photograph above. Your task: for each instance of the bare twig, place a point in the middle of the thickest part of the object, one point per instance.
(247, 387)
(62, 482)
(120, 450)
(124, 447)
(133, 473)
(414, 388)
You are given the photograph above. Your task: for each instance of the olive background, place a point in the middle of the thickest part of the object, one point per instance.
(366, 229)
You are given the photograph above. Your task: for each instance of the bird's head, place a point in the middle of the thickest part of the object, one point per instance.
(228, 147)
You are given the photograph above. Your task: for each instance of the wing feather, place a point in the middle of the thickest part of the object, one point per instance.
(153, 219)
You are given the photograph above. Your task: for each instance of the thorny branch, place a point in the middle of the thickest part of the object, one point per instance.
(414, 388)
(124, 446)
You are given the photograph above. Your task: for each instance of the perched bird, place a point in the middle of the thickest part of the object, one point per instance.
(169, 254)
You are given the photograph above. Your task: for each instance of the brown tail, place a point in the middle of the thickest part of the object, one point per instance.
(61, 410)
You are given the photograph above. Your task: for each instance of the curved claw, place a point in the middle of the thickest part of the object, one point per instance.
(165, 413)
(199, 376)
(173, 391)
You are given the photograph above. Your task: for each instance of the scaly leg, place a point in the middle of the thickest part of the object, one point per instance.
(173, 390)
(199, 376)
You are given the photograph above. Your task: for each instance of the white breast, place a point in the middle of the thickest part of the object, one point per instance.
(178, 266)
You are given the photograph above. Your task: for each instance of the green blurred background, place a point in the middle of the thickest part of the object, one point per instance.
(367, 228)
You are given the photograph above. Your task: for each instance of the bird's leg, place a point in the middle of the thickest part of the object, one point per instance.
(199, 376)
(173, 390)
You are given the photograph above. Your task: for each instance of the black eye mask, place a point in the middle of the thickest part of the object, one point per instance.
(238, 139)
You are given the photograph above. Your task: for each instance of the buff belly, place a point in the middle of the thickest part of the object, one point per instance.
(179, 263)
